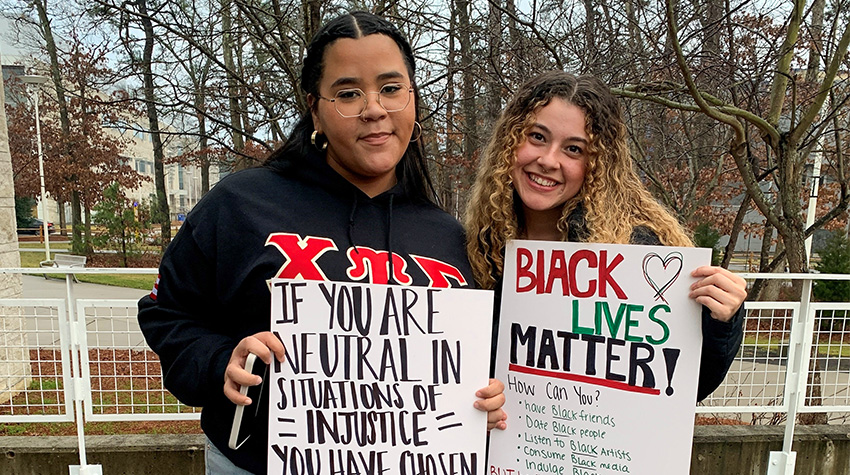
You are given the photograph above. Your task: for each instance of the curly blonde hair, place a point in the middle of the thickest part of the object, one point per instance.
(612, 196)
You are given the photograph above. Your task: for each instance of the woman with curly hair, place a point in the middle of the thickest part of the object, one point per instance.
(558, 168)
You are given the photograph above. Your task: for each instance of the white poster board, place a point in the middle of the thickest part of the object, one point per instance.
(378, 379)
(599, 349)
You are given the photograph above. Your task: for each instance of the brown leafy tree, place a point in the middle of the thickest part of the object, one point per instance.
(97, 147)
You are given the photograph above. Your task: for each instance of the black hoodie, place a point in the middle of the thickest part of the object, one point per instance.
(295, 219)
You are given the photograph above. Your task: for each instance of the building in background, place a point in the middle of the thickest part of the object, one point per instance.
(182, 183)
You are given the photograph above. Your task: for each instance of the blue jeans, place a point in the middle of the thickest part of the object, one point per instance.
(218, 464)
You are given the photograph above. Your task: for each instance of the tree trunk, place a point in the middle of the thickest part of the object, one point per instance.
(712, 12)
(77, 244)
(201, 114)
(729, 252)
(63, 231)
(494, 64)
(446, 180)
(468, 101)
(591, 48)
(232, 87)
(87, 242)
(816, 47)
(153, 120)
(205, 158)
(635, 40)
(247, 128)
(67, 153)
(756, 291)
(312, 10)
(814, 391)
(515, 37)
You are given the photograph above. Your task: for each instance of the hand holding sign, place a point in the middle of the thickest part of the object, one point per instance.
(720, 290)
(493, 398)
(264, 345)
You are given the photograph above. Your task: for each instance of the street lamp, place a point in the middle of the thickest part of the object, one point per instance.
(40, 80)
(817, 157)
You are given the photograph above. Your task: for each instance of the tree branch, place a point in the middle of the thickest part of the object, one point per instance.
(814, 109)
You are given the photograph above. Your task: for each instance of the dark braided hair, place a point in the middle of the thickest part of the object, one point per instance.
(411, 171)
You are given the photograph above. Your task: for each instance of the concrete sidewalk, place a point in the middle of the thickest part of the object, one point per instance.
(37, 287)
(107, 327)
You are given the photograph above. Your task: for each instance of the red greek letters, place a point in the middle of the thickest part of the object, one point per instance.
(439, 272)
(302, 254)
(369, 264)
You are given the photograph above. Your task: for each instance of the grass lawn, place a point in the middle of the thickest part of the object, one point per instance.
(101, 428)
(38, 245)
(133, 281)
(834, 349)
(122, 382)
(776, 346)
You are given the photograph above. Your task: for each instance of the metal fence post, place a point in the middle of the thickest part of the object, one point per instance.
(783, 463)
(78, 332)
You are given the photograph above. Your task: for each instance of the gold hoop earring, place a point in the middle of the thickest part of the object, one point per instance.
(313, 141)
(416, 124)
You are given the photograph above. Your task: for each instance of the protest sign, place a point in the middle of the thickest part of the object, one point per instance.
(378, 379)
(599, 349)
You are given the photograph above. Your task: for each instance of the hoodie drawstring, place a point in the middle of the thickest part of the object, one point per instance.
(390, 239)
(351, 223)
(391, 275)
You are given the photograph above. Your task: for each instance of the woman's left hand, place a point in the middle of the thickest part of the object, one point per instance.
(492, 400)
(720, 290)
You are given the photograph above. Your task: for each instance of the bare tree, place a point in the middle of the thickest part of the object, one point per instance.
(790, 147)
(77, 244)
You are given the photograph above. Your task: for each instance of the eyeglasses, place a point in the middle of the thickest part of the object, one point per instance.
(353, 102)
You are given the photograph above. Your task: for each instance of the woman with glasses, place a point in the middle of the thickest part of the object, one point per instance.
(347, 198)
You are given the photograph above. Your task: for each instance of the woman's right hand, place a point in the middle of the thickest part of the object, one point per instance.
(262, 344)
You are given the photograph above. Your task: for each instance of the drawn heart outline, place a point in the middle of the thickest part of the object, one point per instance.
(673, 257)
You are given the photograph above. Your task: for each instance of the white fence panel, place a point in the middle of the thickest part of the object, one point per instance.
(36, 383)
(828, 384)
(123, 374)
(757, 380)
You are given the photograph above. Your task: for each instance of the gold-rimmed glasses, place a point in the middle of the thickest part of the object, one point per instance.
(349, 103)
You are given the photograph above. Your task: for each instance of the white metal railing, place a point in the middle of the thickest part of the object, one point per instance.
(69, 359)
(83, 360)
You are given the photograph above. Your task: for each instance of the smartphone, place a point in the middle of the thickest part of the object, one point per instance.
(243, 419)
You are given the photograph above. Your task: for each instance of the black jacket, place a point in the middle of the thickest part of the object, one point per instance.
(720, 340)
(295, 219)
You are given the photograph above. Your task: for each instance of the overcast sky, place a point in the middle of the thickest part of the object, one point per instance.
(10, 50)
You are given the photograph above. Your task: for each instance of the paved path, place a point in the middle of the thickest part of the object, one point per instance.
(117, 327)
(37, 287)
